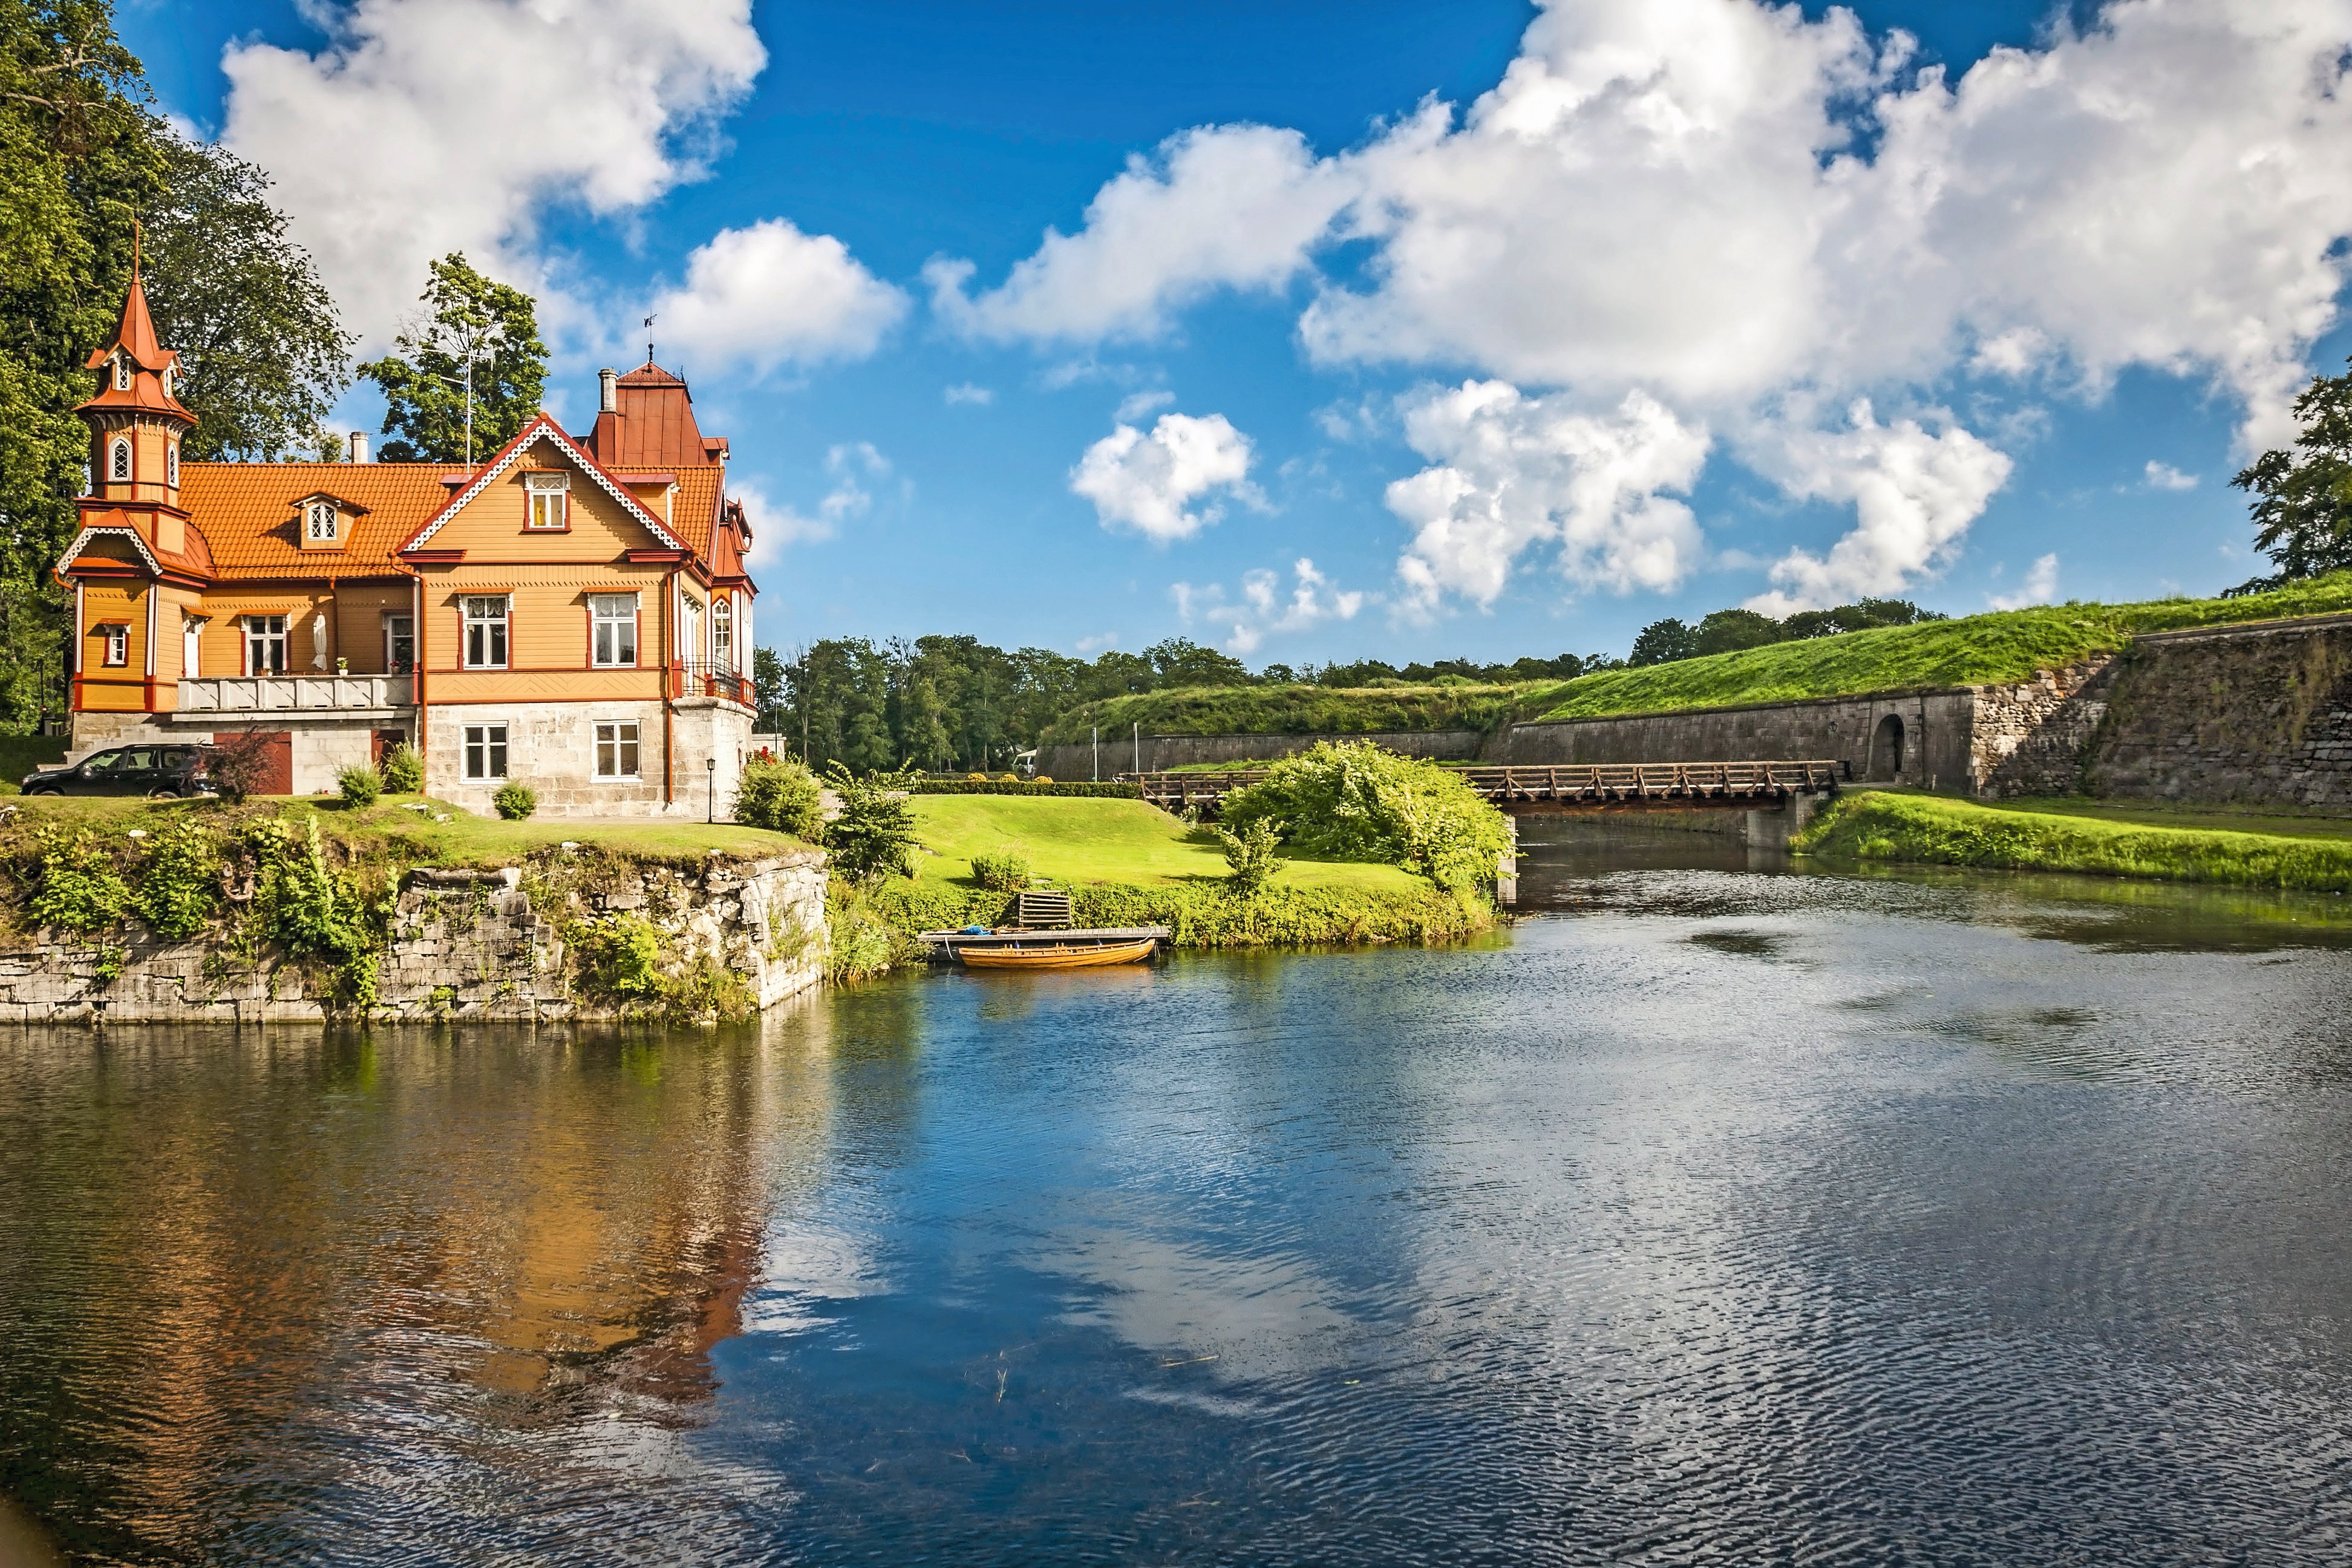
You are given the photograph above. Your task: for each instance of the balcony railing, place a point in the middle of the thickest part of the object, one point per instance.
(695, 678)
(291, 693)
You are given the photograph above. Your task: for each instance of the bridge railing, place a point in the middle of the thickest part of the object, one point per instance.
(1589, 784)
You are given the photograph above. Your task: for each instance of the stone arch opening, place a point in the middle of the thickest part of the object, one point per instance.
(1886, 749)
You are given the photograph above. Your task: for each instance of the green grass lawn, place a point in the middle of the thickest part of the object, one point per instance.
(387, 829)
(2280, 824)
(1078, 840)
(1937, 830)
(1974, 651)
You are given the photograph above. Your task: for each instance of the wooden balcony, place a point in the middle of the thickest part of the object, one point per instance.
(692, 677)
(292, 693)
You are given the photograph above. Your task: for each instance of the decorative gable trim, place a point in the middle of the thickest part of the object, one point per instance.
(73, 551)
(540, 428)
(340, 504)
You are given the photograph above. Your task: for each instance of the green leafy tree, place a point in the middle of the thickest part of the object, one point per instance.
(1252, 853)
(2303, 497)
(1663, 642)
(262, 353)
(768, 691)
(874, 836)
(466, 319)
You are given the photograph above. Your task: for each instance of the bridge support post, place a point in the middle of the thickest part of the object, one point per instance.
(1774, 829)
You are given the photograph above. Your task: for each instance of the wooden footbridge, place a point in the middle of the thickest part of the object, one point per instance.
(1588, 787)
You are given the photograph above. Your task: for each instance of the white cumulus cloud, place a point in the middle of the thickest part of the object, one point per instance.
(1734, 209)
(2040, 587)
(769, 295)
(1152, 483)
(965, 392)
(1511, 473)
(1914, 491)
(1263, 608)
(2165, 477)
(427, 126)
(1229, 207)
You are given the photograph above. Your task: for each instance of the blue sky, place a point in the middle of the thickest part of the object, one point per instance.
(1517, 381)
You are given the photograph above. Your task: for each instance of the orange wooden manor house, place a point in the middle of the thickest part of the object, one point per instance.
(572, 614)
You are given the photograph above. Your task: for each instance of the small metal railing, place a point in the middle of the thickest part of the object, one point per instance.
(698, 677)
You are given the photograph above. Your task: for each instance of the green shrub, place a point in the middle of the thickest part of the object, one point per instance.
(515, 802)
(307, 908)
(1004, 871)
(874, 834)
(403, 770)
(359, 786)
(1251, 853)
(179, 887)
(1354, 801)
(80, 887)
(622, 958)
(781, 796)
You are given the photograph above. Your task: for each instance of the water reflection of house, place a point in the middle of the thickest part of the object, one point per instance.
(573, 613)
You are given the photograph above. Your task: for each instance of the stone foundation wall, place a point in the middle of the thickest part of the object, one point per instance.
(470, 945)
(552, 747)
(2034, 737)
(2257, 715)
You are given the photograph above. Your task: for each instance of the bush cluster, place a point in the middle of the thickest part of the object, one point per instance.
(515, 802)
(1004, 870)
(403, 770)
(359, 786)
(1251, 853)
(1354, 801)
(874, 836)
(782, 795)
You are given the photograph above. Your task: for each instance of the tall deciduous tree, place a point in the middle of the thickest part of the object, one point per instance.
(2303, 498)
(82, 162)
(262, 355)
(424, 382)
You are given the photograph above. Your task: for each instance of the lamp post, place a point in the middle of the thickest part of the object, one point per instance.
(711, 763)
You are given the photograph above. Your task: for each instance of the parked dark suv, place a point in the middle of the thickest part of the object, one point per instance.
(128, 770)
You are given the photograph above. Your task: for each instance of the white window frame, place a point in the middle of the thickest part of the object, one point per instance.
(547, 505)
(259, 632)
(613, 631)
(486, 750)
(690, 630)
(620, 751)
(722, 632)
(119, 470)
(192, 644)
(121, 371)
(116, 635)
(495, 641)
(171, 463)
(167, 381)
(392, 624)
(323, 514)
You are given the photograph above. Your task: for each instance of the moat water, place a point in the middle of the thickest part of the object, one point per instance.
(1724, 1215)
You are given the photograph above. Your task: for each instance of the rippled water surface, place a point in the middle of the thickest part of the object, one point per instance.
(1727, 1215)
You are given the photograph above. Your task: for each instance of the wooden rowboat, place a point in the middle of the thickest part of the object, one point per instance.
(1056, 955)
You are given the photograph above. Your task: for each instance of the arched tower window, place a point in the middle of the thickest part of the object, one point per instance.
(122, 373)
(722, 631)
(118, 464)
(171, 465)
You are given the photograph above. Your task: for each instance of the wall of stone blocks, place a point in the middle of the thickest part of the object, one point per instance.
(552, 747)
(463, 946)
(1937, 729)
(2258, 715)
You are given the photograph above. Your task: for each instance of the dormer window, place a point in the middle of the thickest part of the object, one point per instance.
(168, 379)
(122, 373)
(117, 462)
(321, 522)
(546, 495)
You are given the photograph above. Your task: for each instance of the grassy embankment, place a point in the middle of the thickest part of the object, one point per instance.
(2006, 645)
(1128, 864)
(1975, 649)
(2306, 855)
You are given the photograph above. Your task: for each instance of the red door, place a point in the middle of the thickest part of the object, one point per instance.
(277, 761)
